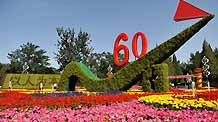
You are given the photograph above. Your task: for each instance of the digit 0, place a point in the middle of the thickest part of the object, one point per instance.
(135, 47)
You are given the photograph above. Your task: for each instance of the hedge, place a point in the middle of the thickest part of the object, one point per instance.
(146, 80)
(149, 78)
(30, 81)
(131, 73)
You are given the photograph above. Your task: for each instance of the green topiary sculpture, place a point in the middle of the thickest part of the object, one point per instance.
(132, 73)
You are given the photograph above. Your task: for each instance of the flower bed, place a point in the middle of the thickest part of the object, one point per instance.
(208, 95)
(173, 102)
(109, 106)
(15, 99)
(132, 111)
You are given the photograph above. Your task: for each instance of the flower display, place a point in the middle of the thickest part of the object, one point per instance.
(208, 95)
(175, 103)
(16, 99)
(132, 111)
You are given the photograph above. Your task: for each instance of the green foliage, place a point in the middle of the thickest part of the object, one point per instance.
(195, 60)
(132, 73)
(161, 83)
(216, 53)
(30, 81)
(146, 86)
(32, 55)
(72, 47)
(175, 68)
(3, 69)
(156, 78)
(99, 62)
(208, 52)
(145, 81)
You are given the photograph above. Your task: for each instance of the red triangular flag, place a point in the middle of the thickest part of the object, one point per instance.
(186, 11)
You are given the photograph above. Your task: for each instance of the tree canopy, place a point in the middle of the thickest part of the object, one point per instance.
(76, 47)
(31, 55)
(196, 60)
(72, 47)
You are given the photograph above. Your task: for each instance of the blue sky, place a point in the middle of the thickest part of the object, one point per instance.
(36, 21)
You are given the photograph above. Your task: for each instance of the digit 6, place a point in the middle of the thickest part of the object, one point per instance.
(117, 49)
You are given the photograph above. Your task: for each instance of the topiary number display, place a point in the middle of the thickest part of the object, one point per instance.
(132, 72)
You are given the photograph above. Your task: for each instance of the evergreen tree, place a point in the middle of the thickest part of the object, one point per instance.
(175, 68)
(171, 68)
(174, 60)
(208, 52)
(216, 52)
(30, 54)
(72, 47)
(195, 61)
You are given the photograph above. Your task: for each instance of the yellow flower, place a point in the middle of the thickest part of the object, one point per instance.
(167, 99)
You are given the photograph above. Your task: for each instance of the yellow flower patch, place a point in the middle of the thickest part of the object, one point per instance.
(175, 103)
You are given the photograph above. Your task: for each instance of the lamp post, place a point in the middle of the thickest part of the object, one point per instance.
(206, 71)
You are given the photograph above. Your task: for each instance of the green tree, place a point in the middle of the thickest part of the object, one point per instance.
(36, 59)
(195, 60)
(177, 65)
(3, 69)
(208, 52)
(72, 47)
(216, 52)
(171, 68)
(99, 62)
(175, 68)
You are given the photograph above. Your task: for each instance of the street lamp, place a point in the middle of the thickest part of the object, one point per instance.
(206, 71)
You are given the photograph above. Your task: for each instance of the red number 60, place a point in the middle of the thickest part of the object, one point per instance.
(118, 47)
